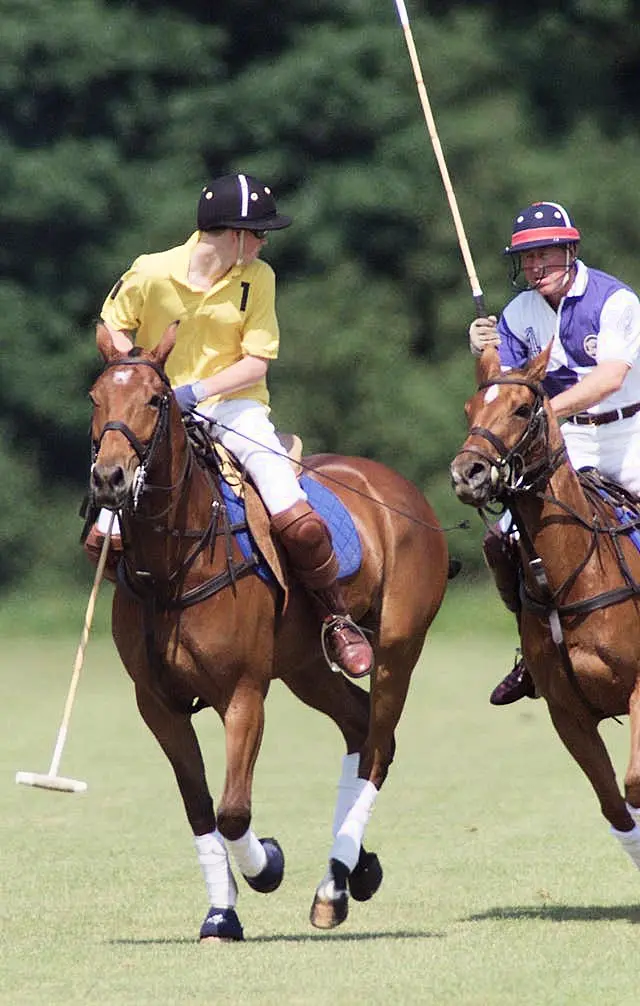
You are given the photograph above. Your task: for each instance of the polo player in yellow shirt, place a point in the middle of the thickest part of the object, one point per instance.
(223, 295)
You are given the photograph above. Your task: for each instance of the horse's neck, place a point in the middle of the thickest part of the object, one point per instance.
(557, 524)
(176, 498)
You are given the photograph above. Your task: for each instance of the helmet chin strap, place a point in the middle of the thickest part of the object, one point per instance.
(240, 256)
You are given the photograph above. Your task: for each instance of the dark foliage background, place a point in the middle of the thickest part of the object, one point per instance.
(113, 114)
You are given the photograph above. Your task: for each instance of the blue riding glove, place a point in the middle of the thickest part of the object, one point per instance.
(185, 397)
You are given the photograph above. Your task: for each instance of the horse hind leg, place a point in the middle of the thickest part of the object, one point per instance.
(352, 870)
(366, 876)
(348, 706)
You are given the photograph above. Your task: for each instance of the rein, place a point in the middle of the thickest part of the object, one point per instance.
(141, 585)
(510, 471)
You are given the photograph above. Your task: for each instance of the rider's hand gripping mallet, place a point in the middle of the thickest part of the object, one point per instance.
(437, 148)
(52, 780)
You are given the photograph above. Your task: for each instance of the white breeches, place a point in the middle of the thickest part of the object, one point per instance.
(613, 449)
(242, 425)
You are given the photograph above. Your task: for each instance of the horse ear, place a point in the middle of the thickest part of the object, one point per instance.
(488, 365)
(166, 344)
(537, 369)
(104, 342)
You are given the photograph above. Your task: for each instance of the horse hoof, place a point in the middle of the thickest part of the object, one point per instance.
(221, 924)
(329, 912)
(366, 877)
(331, 902)
(270, 877)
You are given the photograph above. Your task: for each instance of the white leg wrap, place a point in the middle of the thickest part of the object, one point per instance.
(630, 842)
(248, 853)
(104, 520)
(212, 855)
(346, 846)
(635, 813)
(349, 789)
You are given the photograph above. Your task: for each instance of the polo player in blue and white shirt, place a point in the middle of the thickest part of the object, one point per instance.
(593, 378)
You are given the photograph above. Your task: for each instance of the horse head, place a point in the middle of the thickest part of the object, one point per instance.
(132, 408)
(513, 438)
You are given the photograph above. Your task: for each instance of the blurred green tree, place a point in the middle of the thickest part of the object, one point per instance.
(113, 115)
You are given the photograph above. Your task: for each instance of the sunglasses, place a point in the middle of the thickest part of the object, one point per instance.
(260, 235)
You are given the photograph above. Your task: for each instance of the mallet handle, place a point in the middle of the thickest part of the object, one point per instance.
(75, 677)
(476, 289)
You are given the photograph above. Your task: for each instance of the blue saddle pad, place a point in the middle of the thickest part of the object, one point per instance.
(625, 514)
(343, 531)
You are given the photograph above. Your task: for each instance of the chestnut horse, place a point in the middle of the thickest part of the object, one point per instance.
(580, 573)
(195, 629)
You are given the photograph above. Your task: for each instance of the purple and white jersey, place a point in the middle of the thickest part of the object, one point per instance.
(597, 320)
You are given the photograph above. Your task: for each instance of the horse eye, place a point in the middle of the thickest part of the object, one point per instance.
(523, 412)
(155, 401)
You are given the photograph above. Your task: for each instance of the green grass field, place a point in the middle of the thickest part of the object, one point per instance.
(502, 885)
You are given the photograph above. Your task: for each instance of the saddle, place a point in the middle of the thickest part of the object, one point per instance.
(624, 504)
(251, 521)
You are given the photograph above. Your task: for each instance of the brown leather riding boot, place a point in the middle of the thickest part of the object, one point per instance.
(93, 548)
(502, 558)
(307, 542)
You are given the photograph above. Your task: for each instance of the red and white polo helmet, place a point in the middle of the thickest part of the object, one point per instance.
(542, 224)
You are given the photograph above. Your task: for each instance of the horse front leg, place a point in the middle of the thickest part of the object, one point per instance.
(583, 741)
(260, 860)
(177, 738)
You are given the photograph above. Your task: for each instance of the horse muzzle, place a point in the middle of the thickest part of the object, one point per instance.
(111, 485)
(474, 479)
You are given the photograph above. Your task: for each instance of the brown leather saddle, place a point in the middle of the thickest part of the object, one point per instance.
(257, 516)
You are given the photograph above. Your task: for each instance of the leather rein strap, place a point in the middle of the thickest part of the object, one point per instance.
(144, 589)
(547, 607)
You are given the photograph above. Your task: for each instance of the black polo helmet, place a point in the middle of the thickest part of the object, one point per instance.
(239, 202)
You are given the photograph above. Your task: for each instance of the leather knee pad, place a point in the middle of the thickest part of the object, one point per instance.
(501, 556)
(307, 542)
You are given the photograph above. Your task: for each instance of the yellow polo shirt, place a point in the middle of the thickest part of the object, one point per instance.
(235, 318)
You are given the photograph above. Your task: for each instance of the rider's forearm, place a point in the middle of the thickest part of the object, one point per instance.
(242, 374)
(603, 380)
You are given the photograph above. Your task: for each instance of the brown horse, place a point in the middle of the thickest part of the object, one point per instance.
(194, 627)
(580, 620)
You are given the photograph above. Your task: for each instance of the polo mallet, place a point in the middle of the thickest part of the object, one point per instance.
(476, 289)
(52, 780)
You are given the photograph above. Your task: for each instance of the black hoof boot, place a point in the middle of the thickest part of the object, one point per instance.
(517, 685)
(221, 924)
(270, 877)
(331, 902)
(366, 877)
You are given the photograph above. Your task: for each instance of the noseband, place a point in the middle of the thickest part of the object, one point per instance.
(511, 472)
(144, 451)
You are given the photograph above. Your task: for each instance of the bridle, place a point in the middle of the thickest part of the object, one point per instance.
(531, 460)
(144, 451)
(515, 471)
